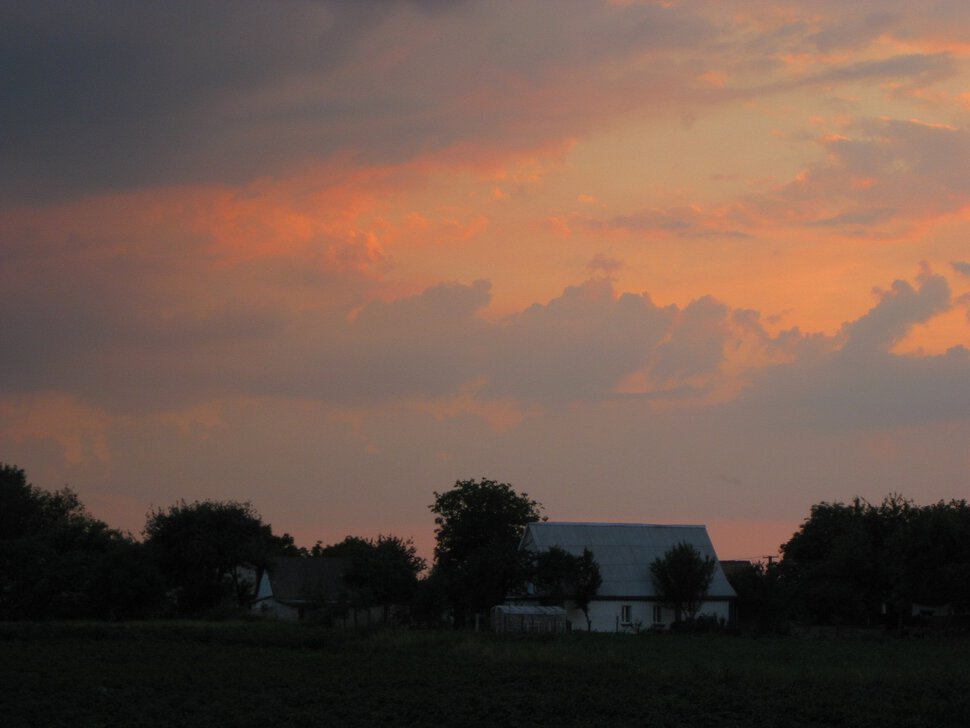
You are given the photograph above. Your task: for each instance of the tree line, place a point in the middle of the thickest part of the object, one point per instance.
(57, 561)
(865, 565)
(850, 563)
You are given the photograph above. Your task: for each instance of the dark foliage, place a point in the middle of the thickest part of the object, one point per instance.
(478, 528)
(211, 551)
(764, 602)
(862, 564)
(558, 575)
(681, 578)
(382, 572)
(56, 561)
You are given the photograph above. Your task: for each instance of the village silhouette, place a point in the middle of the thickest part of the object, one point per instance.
(499, 564)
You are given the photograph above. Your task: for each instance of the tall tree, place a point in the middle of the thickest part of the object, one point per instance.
(681, 578)
(478, 528)
(204, 549)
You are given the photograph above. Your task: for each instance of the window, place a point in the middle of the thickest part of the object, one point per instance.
(626, 614)
(658, 614)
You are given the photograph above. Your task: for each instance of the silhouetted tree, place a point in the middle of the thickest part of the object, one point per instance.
(393, 571)
(681, 578)
(838, 566)
(211, 551)
(382, 572)
(930, 554)
(554, 575)
(559, 575)
(430, 602)
(763, 602)
(588, 582)
(56, 561)
(478, 528)
(848, 562)
(26, 510)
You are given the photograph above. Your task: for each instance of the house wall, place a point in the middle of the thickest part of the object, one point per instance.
(272, 608)
(606, 616)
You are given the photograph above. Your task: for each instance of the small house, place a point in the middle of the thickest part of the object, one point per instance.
(294, 587)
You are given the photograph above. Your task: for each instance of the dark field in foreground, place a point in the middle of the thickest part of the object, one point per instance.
(253, 674)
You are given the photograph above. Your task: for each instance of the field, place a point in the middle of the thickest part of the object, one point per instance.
(255, 674)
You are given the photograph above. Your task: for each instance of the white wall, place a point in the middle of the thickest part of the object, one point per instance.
(606, 615)
(272, 608)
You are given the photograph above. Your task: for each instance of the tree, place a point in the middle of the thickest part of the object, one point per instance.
(830, 565)
(846, 561)
(588, 582)
(26, 510)
(356, 552)
(203, 549)
(930, 554)
(559, 575)
(393, 571)
(381, 572)
(681, 578)
(57, 561)
(555, 575)
(478, 528)
(430, 602)
(763, 602)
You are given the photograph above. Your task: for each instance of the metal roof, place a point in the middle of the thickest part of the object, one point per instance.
(624, 552)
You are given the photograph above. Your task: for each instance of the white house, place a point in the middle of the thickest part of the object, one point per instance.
(626, 600)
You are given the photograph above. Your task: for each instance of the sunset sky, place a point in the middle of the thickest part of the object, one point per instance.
(660, 262)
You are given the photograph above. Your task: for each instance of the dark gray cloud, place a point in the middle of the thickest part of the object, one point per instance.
(108, 95)
(124, 341)
(578, 346)
(894, 315)
(684, 222)
(852, 32)
(696, 343)
(884, 172)
(877, 391)
(913, 68)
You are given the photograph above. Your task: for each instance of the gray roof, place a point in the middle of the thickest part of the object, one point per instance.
(297, 579)
(624, 551)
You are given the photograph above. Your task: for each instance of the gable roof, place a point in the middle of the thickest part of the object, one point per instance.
(299, 579)
(624, 552)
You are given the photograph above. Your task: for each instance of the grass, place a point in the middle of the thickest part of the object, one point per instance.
(259, 674)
